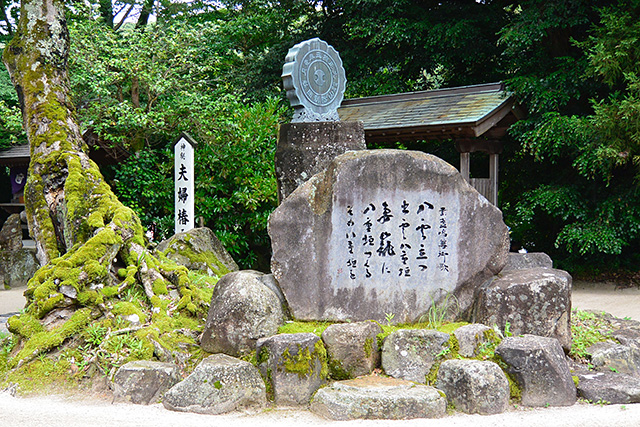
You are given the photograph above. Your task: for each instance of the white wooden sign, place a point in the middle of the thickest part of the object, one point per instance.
(184, 183)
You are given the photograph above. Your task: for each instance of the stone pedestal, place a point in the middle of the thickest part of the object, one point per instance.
(304, 149)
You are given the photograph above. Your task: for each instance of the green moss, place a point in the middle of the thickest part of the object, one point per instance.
(337, 371)
(160, 287)
(451, 351)
(24, 325)
(297, 327)
(368, 347)
(203, 258)
(126, 308)
(303, 361)
(46, 340)
(109, 291)
(576, 380)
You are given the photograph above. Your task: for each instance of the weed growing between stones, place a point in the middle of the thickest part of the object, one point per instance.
(587, 329)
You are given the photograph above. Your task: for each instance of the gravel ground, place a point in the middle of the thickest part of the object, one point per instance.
(54, 411)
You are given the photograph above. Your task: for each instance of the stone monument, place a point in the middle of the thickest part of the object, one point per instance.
(384, 233)
(315, 81)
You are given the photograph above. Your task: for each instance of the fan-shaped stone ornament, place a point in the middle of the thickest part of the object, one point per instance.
(315, 81)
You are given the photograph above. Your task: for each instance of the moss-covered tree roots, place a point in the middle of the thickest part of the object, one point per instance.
(98, 281)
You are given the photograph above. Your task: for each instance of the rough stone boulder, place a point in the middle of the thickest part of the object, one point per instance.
(539, 367)
(378, 398)
(198, 249)
(17, 267)
(384, 232)
(609, 387)
(409, 354)
(243, 309)
(144, 381)
(534, 301)
(474, 386)
(609, 356)
(352, 349)
(294, 366)
(518, 261)
(219, 384)
(11, 234)
(471, 338)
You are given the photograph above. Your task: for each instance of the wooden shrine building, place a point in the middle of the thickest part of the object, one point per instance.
(475, 118)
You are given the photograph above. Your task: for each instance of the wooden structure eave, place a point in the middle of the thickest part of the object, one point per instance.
(467, 112)
(475, 118)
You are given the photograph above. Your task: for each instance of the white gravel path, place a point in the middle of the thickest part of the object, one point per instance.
(54, 411)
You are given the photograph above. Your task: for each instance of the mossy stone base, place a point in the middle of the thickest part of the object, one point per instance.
(294, 366)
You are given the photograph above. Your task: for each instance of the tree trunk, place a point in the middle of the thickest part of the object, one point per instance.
(82, 232)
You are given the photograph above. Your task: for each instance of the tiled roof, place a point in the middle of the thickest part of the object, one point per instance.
(467, 111)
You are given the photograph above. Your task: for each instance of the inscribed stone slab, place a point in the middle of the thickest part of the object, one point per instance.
(381, 232)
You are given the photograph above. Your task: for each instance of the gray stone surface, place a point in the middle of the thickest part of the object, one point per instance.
(11, 234)
(534, 301)
(294, 365)
(219, 384)
(314, 79)
(474, 386)
(198, 249)
(305, 149)
(470, 338)
(409, 354)
(518, 261)
(378, 398)
(352, 349)
(539, 367)
(17, 267)
(609, 387)
(607, 356)
(431, 238)
(144, 381)
(242, 310)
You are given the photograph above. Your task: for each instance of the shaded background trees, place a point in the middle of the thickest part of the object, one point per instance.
(569, 183)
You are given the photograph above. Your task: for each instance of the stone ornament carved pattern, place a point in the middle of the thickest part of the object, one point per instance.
(315, 81)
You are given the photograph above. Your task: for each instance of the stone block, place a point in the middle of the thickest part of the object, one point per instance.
(378, 398)
(144, 381)
(384, 231)
(11, 234)
(518, 261)
(470, 338)
(305, 149)
(534, 301)
(608, 356)
(17, 267)
(609, 387)
(409, 354)
(540, 368)
(294, 366)
(219, 384)
(474, 386)
(242, 310)
(352, 349)
(198, 249)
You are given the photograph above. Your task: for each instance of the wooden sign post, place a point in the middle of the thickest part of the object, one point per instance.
(184, 183)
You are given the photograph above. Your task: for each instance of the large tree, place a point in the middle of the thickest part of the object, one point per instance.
(91, 246)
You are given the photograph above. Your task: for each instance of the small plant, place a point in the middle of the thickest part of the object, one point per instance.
(587, 329)
(94, 334)
(507, 329)
(388, 317)
(613, 369)
(438, 312)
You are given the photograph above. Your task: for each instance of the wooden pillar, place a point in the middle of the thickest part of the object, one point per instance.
(465, 165)
(493, 176)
